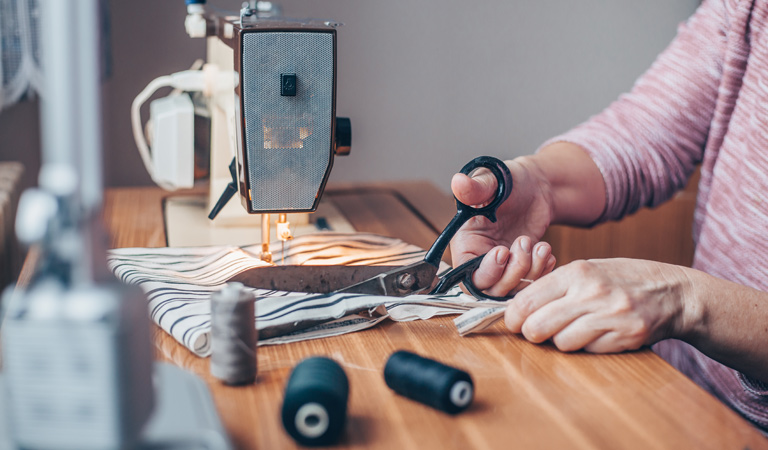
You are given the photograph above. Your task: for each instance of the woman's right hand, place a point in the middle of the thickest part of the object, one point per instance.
(512, 241)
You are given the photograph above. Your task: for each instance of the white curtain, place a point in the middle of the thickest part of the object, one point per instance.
(20, 71)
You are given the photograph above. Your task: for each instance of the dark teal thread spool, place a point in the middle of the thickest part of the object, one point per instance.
(315, 402)
(429, 382)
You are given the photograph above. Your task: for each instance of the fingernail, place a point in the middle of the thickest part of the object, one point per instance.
(502, 257)
(542, 251)
(525, 244)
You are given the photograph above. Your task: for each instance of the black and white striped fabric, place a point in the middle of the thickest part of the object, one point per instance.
(179, 282)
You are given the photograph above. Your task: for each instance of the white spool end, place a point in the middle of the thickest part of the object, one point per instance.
(462, 393)
(312, 420)
(195, 23)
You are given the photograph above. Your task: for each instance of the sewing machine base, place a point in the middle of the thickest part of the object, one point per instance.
(187, 224)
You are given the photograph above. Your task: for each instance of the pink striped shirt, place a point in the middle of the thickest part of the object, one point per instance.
(704, 100)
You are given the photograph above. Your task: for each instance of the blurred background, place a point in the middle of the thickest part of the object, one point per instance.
(428, 84)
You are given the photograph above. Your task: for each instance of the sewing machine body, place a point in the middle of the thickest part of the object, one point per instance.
(280, 121)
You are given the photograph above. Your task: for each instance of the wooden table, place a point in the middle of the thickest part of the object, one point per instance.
(527, 395)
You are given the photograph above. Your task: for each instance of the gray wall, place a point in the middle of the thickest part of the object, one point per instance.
(428, 84)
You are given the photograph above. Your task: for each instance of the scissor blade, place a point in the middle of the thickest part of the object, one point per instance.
(315, 279)
(411, 279)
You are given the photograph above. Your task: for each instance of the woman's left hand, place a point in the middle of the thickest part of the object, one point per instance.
(603, 306)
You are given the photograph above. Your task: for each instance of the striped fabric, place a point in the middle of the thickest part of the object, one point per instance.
(179, 282)
(704, 100)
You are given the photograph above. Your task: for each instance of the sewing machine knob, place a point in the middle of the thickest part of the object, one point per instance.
(343, 136)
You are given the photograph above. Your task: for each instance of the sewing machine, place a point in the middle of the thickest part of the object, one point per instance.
(273, 133)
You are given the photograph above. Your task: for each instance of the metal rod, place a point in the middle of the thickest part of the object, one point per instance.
(266, 255)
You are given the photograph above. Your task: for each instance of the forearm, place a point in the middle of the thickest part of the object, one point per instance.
(727, 322)
(575, 185)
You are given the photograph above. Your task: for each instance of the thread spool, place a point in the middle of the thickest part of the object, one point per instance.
(315, 402)
(233, 335)
(429, 382)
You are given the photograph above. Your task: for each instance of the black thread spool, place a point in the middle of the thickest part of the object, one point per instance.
(315, 403)
(429, 382)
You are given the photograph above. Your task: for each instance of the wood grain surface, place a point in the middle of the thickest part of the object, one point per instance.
(527, 396)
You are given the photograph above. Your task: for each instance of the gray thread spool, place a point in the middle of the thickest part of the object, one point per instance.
(233, 335)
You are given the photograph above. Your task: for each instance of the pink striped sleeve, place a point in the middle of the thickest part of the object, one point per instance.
(647, 143)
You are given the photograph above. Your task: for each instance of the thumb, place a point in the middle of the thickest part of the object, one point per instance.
(477, 190)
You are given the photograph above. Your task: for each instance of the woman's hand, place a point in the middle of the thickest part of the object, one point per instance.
(511, 242)
(603, 306)
(505, 271)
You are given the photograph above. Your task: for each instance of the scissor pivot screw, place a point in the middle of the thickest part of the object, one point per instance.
(405, 281)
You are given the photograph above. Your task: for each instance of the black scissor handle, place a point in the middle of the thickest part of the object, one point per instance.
(466, 212)
(463, 274)
(503, 186)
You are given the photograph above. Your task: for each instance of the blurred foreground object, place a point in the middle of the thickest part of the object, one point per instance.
(77, 359)
(20, 72)
(11, 255)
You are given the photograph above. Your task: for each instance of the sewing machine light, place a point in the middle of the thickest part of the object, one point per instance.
(285, 132)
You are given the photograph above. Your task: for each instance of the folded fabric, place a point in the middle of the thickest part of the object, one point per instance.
(179, 282)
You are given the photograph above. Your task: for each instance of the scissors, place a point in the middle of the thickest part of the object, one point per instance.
(421, 277)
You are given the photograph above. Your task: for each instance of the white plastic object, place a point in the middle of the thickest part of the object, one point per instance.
(208, 81)
(216, 80)
(229, 30)
(191, 80)
(195, 23)
(188, 80)
(173, 151)
(36, 210)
